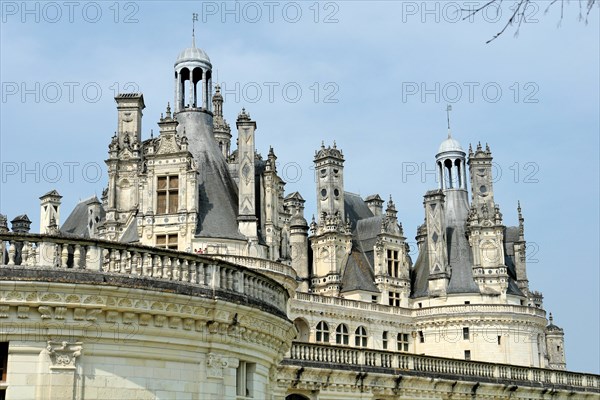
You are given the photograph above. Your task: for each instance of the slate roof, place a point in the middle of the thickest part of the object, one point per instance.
(511, 235)
(358, 274)
(77, 222)
(131, 233)
(217, 192)
(367, 230)
(420, 275)
(459, 250)
(355, 208)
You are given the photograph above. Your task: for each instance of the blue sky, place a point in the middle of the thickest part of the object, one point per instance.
(374, 76)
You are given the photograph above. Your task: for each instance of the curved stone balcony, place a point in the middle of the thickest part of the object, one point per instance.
(281, 272)
(93, 261)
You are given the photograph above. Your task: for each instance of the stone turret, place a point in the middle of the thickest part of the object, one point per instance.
(555, 344)
(49, 211)
(375, 204)
(221, 129)
(299, 240)
(331, 242)
(21, 224)
(247, 220)
(3, 224)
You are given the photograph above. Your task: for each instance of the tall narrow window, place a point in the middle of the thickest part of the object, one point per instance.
(167, 241)
(341, 334)
(360, 337)
(385, 340)
(3, 360)
(393, 263)
(466, 334)
(421, 337)
(322, 335)
(467, 354)
(402, 342)
(244, 376)
(3, 367)
(167, 194)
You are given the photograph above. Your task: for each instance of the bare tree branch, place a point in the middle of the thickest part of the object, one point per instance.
(520, 8)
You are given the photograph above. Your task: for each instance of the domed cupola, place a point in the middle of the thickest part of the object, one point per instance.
(193, 80)
(450, 163)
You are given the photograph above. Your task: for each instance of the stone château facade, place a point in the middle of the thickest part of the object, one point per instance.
(195, 276)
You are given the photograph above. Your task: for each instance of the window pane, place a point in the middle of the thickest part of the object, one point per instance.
(161, 240)
(173, 202)
(161, 203)
(174, 182)
(162, 183)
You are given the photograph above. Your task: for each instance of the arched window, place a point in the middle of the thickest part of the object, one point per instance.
(341, 334)
(459, 174)
(449, 177)
(360, 337)
(303, 329)
(296, 397)
(322, 332)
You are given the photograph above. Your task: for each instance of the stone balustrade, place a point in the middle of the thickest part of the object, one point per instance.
(475, 308)
(154, 264)
(282, 273)
(260, 264)
(362, 305)
(340, 357)
(465, 309)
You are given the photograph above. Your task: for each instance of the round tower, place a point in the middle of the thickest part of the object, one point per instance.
(193, 80)
(193, 102)
(450, 162)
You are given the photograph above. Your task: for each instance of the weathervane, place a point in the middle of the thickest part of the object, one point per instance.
(448, 109)
(194, 19)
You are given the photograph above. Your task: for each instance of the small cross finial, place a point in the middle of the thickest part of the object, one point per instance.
(448, 109)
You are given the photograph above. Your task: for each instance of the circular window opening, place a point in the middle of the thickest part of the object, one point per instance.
(324, 193)
(336, 192)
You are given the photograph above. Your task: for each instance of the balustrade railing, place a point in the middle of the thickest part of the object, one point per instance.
(339, 356)
(419, 312)
(259, 264)
(363, 305)
(52, 251)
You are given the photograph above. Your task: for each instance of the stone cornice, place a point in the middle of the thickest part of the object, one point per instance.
(90, 311)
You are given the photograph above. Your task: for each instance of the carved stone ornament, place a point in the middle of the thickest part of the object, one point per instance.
(63, 354)
(215, 364)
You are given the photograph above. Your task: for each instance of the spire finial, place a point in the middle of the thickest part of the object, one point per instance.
(194, 19)
(448, 109)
